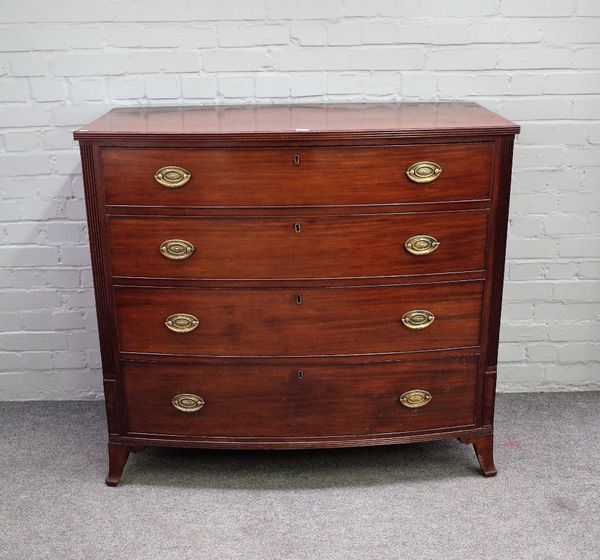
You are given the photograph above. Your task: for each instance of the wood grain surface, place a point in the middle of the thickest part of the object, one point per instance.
(267, 401)
(284, 122)
(270, 322)
(324, 176)
(302, 247)
(298, 215)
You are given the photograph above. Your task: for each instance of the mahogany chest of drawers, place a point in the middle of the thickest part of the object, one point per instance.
(298, 276)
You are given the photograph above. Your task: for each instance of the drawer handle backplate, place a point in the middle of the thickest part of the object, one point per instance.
(416, 398)
(424, 171)
(187, 402)
(181, 323)
(177, 249)
(417, 319)
(421, 245)
(172, 176)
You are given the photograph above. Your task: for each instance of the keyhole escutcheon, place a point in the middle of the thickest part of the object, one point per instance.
(298, 299)
(297, 228)
(297, 159)
(300, 375)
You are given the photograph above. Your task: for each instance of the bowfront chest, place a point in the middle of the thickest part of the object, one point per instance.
(298, 276)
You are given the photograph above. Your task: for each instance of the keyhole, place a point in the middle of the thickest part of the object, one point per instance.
(298, 299)
(297, 228)
(300, 375)
(296, 159)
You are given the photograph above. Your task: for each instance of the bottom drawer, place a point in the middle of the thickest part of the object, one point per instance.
(278, 401)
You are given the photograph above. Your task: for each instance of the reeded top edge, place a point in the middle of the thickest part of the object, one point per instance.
(308, 120)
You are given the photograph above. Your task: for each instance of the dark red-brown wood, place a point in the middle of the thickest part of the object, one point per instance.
(271, 322)
(484, 451)
(345, 194)
(282, 123)
(300, 400)
(117, 459)
(324, 176)
(299, 248)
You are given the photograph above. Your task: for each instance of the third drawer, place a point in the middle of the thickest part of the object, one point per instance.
(299, 322)
(303, 247)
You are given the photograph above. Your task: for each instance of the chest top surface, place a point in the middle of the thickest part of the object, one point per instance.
(282, 121)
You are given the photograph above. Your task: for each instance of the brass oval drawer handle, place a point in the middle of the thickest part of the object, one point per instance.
(177, 249)
(172, 176)
(424, 171)
(421, 245)
(417, 319)
(181, 323)
(416, 398)
(187, 402)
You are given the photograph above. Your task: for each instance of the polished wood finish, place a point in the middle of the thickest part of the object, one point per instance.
(484, 451)
(349, 121)
(355, 246)
(299, 400)
(300, 277)
(328, 321)
(324, 176)
(117, 459)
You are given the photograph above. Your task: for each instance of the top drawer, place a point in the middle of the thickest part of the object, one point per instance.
(298, 176)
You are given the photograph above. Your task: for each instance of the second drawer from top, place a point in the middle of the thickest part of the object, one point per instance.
(298, 248)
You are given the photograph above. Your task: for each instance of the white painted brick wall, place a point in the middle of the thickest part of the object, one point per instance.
(65, 62)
